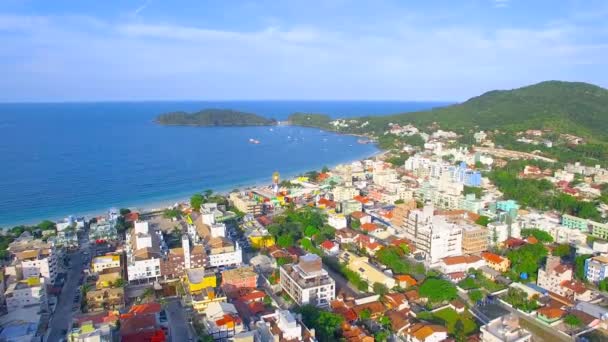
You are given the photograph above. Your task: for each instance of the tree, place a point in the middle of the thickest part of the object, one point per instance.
(283, 260)
(437, 290)
(405, 248)
(475, 296)
(527, 258)
(561, 250)
(603, 285)
(325, 169)
(365, 314)
(124, 211)
(579, 266)
(325, 323)
(483, 221)
(540, 235)
(381, 336)
(196, 201)
(47, 225)
(399, 201)
(385, 322)
(171, 213)
(380, 289)
(285, 241)
(572, 321)
(310, 231)
(459, 334)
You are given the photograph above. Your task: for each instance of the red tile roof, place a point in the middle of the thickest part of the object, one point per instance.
(361, 199)
(551, 313)
(328, 245)
(461, 259)
(369, 227)
(406, 278)
(575, 285)
(491, 257)
(358, 214)
(149, 308)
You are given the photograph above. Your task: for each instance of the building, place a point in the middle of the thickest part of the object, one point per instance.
(460, 263)
(307, 282)
(282, 325)
(103, 231)
(245, 204)
(474, 238)
(202, 300)
(222, 252)
(198, 279)
(101, 299)
(177, 260)
(222, 321)
(553, 275)
(93, 327)
(366, 271)
(34, 258)
(574, 222)
(242, 277)
(27, 292)
(504, 329)
(103, 262)
(422, 332)
(433, 236)
(143, 323)
(336, 220)
(143, 253)
(496, 262)
(596, 269)
(344, 193)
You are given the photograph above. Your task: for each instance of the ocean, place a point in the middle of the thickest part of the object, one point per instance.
(59, 159)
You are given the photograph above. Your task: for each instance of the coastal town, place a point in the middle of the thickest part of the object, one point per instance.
(433, 241)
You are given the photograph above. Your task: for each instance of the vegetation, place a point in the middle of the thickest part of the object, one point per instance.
(527, 258)
(483, 220)
(214, 117)
(325, 323)
(579, 266)
(450, 318)
(475, 296)
(561, 250)
(519, 300)
(171, 213)
(393, 258)
(540, 235)
(539, 194)
(572, 321)
(351, 276)
(477, 191)
(437, 290)
(11, 234)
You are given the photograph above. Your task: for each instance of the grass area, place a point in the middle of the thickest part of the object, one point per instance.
(449, 317)
(480, 281)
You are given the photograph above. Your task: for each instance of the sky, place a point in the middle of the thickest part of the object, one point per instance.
(130, 50)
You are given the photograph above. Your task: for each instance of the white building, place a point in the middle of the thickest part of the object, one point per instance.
(144, 249)
(344, 193)
(504, 329)
(39, 262)
(283, 321)
(336, 220)
(432, 235)
(24, 293)
(596, 268)
(307, 282)
(103, 262)
(222, 252)
(461, 263)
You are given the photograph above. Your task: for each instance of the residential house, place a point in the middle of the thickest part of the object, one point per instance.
(222, 320)
(496, 262)
(422, 332)
(505, 328)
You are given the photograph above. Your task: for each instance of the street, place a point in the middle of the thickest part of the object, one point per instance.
(180, 329)
(62, 316)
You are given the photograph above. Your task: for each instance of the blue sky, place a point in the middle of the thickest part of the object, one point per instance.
(65, 50)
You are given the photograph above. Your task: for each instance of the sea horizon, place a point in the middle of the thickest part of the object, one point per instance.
(84, 158)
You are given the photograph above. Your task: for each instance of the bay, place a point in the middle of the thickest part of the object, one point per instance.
(58, 159)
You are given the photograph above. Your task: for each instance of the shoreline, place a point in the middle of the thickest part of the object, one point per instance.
(160, 204)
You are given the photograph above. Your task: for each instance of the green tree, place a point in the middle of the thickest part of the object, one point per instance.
(365, 314)
(475, 296)
(483, 220)
(285, 241)
(405, 248)
(325, 323)
(527, 258)
(310, 231)
(47, 225)
(124, 211)
(196, 201)
(380, 289)
(119, 283)
(381, 336)
(561, 250)
(540, 235)
(603, 285)
(325, 169)
(572, 321)
(171, 213)
(399, 201)
(579, 266)
(437, 290)
(459, 334)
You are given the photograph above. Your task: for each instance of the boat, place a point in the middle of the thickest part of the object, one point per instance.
(254, 141)
(364, 141)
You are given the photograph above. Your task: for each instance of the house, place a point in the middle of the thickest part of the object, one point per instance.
(399, 321)
(329, 247)
(354, 333)
(142, 323)
(405, 280)
(222, 320)
(360, 217)
(496, 262)
(396, 301)
(549, 314)
(505, 328)
(242, 277)
(368, 244)
(422, 332)
(367, 271)
(371, 228)
(461, 263)
(375, 309)
(346, 235)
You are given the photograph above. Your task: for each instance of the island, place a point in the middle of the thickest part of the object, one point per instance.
(214, 117)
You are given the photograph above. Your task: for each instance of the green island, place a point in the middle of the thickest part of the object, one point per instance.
(214, 117)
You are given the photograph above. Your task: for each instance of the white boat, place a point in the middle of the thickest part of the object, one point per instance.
(254, 141)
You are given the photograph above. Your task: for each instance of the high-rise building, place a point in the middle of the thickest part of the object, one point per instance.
(307, 282)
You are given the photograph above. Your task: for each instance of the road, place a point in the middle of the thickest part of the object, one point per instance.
(62, 316)
(180, 329)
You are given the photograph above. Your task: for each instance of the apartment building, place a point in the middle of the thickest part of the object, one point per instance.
(24, 293)
(145, 249)
(307, 282)
(557, 277)
(103, 262)
(223, 252)
(34, 258)
(474, 238)
(596, 268)
(179, 259)
(433, 236)
(245, 204)
(105, 298)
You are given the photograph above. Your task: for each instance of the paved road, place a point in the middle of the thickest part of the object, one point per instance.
(62, 316)
(180, 329)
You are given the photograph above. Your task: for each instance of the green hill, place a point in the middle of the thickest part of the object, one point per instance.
(214, 117)
(566, 107)
(569, 107)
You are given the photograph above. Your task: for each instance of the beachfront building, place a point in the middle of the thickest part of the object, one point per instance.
(103, 231)
(307, 282)
(245, 204)
(144, 248)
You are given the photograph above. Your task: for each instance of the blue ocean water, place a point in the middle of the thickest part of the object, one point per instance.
(74, 158)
